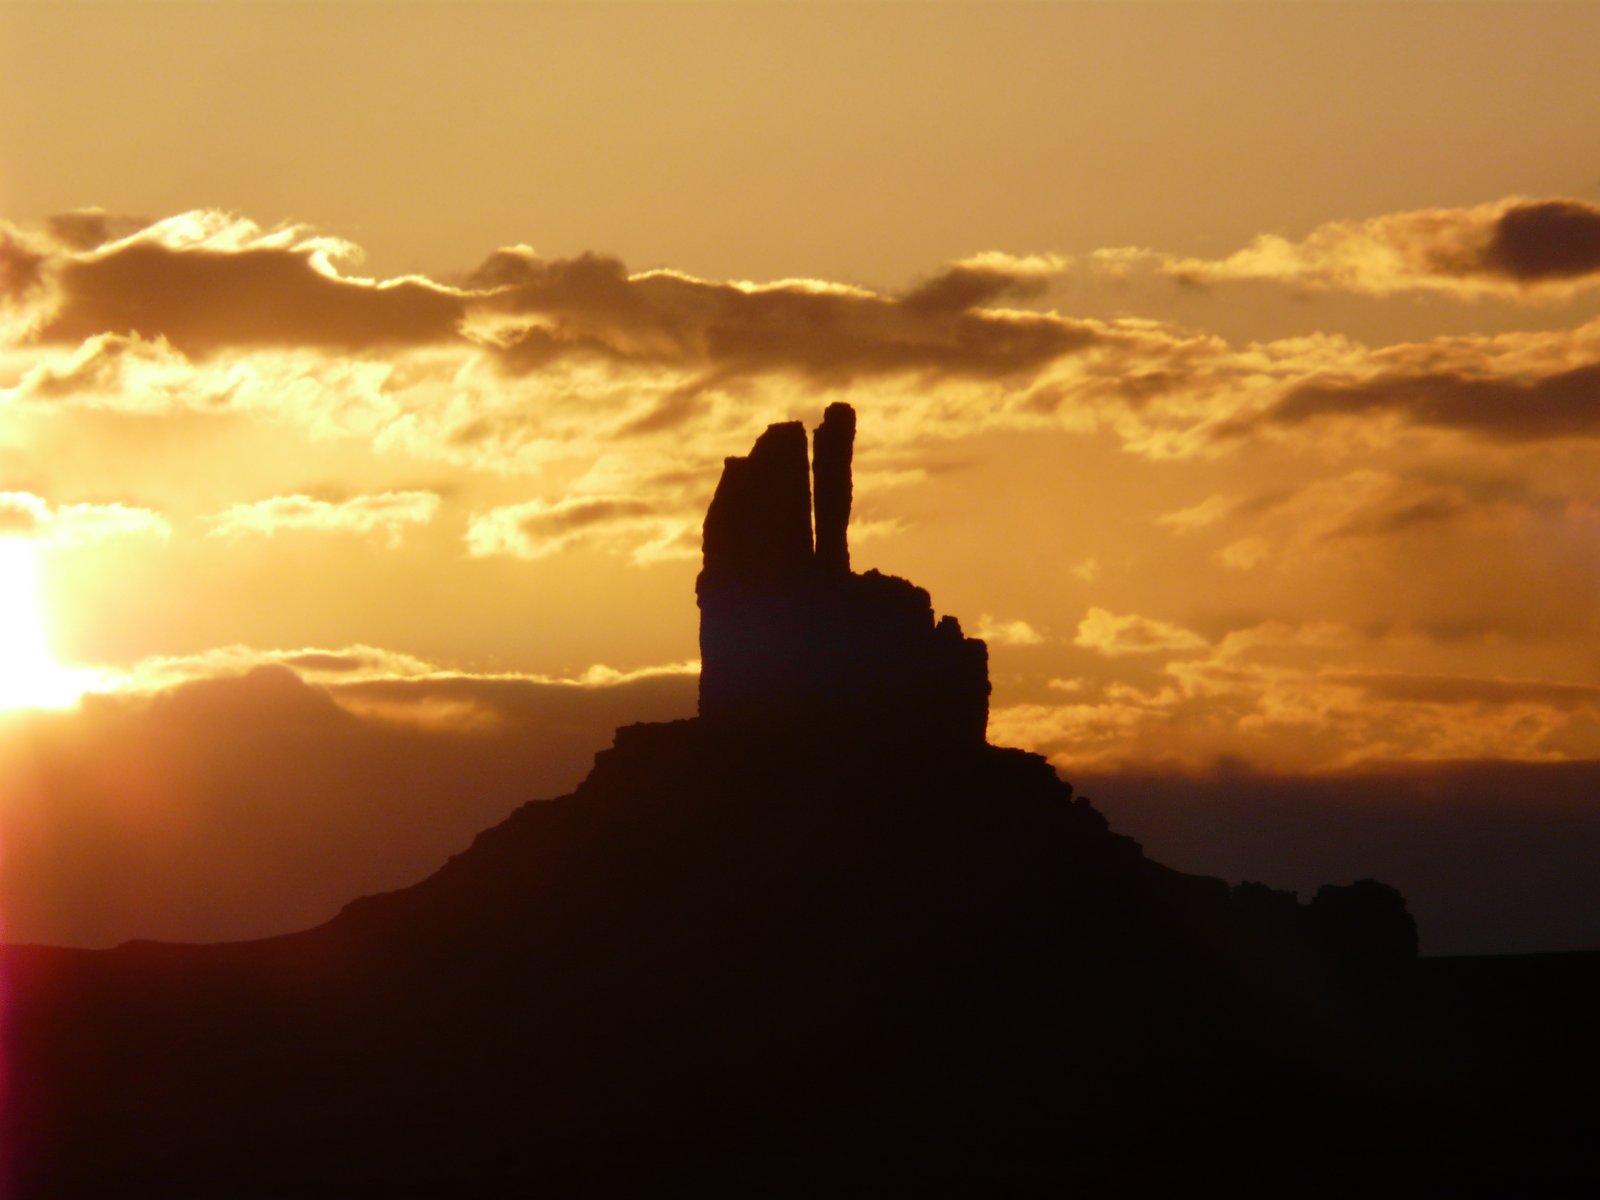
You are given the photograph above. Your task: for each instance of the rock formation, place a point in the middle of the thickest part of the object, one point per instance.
(793, 642)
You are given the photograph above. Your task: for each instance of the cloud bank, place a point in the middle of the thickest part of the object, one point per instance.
(177, 807)
(1514, 249)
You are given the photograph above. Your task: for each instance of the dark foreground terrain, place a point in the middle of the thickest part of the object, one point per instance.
(781, 971)
(822, 940)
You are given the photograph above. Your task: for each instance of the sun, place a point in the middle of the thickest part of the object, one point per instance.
(29, 676)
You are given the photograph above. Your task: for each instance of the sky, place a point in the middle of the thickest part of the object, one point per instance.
(365, 369)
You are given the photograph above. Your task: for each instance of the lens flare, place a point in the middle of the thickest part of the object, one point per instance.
(30, 677)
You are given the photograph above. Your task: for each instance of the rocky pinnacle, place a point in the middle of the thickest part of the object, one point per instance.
(832, 447)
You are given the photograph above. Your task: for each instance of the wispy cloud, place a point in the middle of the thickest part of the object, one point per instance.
(1517, 249)
(22, 513)
(1007, 633)
(384, 516)
(621, 524)
(1130, 633)
(1269, 695)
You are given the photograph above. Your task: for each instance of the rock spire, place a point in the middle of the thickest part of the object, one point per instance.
(834, 444)
(792, 640)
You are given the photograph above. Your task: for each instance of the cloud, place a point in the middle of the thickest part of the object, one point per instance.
(1546, 240)
(473, 701)
(1462, 549)
(182, 812)
(134, 373)
(982, 280)
(385, 516)
(1197, 516)
(1274, 696)
(1347, 514)
(24, 282)
(1007, 633)
(1245, 554)
(78, 524)
(525, 360)
(1513, 249)
(551, 362)
(206, 281)
(530, 361)
(349, 664)
(362, 664)
(1481, 693)
(90, 228)
(24, 514)
(1169, 393)
(537, 312)
(1562, 404)
(22, 266)
(618, 524)
(1115, 636)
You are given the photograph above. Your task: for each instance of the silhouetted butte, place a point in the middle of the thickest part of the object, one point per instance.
(823, 939)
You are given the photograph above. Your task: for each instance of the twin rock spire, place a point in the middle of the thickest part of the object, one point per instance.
(791, 640)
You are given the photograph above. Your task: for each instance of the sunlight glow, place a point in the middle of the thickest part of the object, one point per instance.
(29, 676)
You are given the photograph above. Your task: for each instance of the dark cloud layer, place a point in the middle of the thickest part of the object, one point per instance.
(1551, 239)
(569, 515)
(91, 228)
(965, 285)
(203, 300)
(1564, 404)
(1489, 693)
(21, 267)
(239, 287)
(589, 307)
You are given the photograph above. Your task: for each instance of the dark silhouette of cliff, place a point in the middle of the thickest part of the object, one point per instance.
(822, 940)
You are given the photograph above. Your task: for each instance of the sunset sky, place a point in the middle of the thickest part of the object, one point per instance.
(365, 370)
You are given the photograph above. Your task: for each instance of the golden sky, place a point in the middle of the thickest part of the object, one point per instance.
(365, 369)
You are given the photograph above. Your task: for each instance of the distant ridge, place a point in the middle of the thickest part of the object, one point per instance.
(821, 940)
